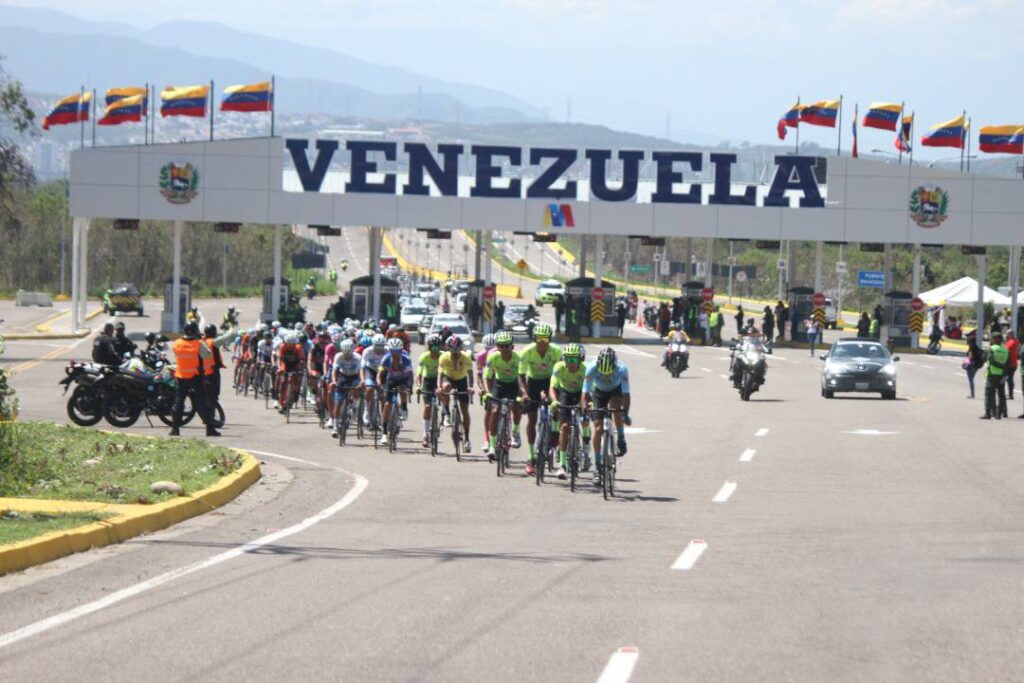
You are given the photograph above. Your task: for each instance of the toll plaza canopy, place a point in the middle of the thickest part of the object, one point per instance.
(485, 187)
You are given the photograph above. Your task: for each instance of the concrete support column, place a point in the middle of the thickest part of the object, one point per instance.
(595, 330)
(275, 306)
(488, 263)
(709, 278)
(1014, 285)
(477, 254)
(818, 284)
(76, 229)
(980, 307)
(375, 247)
(179, 227)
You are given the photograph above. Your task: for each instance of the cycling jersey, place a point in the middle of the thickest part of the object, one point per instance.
(263, 351)
(504, 371)
(316, 358)
(402, 374)
(455, 368)
(346, 367)
(596, 381)
(372, 360)
(481, 359)
(565, 379)
(291, 356)
(427, 366)
(537, 366)
(329, 353)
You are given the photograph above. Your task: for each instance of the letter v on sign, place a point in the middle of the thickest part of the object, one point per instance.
(312, 179)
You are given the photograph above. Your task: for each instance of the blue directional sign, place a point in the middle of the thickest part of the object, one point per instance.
(871, 278)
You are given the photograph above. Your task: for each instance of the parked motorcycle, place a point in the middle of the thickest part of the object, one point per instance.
(85, 405)
(678, 358)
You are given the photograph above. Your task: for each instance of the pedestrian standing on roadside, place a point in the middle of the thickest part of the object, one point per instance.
(780, 319)
(705, 328)
(995, 390)
(863, 326)
(499, 316)
(716, 322)
(768, 324)
(620, 317)
(739, 320)
(812, 332)
(972, 362)
(1012, 348)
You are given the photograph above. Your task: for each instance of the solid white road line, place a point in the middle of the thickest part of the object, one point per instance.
(723, 493)
(748, 455)
(706, 369)
(619, 668)
(131, 591)
(689, 557)
(762, 431)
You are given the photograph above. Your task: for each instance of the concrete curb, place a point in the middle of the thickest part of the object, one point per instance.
(128, 522)
(43, 330)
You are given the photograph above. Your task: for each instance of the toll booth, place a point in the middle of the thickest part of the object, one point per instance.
(267, 314)
(475, 304)
(579, 302)
(361, 298)
(167, 322)
(896, 318)
(801, 307)
(690, 292)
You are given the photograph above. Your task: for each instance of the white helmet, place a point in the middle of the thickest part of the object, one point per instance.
(378, 340)
(395, 344)
(347, 346)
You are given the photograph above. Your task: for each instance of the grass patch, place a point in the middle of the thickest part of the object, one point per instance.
(21, 526)
(74, 463)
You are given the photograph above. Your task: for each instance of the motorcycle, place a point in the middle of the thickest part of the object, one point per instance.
(85, 405)
(749, 366)
(310, 291)
(650, 317)
(934, 342)
(678, 358)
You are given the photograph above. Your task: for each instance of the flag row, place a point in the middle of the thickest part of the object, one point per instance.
(132, 103)
(1005, 139)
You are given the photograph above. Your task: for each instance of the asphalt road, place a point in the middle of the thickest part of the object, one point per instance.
(863, 540)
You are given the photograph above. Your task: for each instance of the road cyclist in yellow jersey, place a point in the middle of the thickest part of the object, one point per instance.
(501, 375)
(536, 363)
(455, 369)
(566, 390)
(426, 381)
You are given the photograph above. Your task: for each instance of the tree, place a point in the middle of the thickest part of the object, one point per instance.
(16, 119)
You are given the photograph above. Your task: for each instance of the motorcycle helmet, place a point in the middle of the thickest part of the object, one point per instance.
(192, 330)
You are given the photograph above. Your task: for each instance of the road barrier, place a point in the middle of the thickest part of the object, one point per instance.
(23, 298)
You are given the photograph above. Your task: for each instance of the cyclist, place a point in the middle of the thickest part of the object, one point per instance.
(455, 368)
(317, 353)
(395, 374)
(502, 375)
(606, 385)
(536, 362)
(426, 380)
(291, 358)
(345, 370)
(371, 360)
(481, 363)
(394, 331)
(567, 388)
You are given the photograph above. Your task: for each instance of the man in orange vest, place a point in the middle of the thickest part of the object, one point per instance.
(192, 357)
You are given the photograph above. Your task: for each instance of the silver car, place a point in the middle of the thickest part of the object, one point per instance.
(861, 365)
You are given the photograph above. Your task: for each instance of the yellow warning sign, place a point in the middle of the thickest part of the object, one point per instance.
(488, 308)
(916, 321)
(819, 317)
(597, 311)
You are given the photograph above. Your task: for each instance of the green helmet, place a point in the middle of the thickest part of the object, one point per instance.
(542, 331)
(503, 338)
(606, 361)
(572, 352)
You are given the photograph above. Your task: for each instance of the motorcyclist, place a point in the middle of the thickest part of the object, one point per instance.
(676, 335)
(103, 350)
(751, 341)
(193, 315)
(122, 344)
(344, 265)
(230, 319)
(750, 328)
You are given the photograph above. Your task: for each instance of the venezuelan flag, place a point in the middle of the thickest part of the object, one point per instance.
(791, 119)
(187, 100)
(824, 113)
(255, 97)
(948, 134)
(122, 110)
(902, 141)
(71, 109)
(115, 94)
(882, 115)
(1004, 139)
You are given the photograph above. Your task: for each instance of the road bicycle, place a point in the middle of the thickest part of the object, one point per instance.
(394, 423)
(606, 459)
(289, 387)
(456, 417)
(434, 430)
(343, 416)
(503, 433)
(574, 454)
(542, 442)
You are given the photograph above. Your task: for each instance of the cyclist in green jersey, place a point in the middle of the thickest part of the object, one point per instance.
(536, 362)
(426, 380)
(567, 388)
(502, 374)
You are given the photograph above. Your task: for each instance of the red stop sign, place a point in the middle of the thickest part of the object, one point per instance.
(597, 294)
(916, 304)
(819, 300)
(489, 292)
(707, 294)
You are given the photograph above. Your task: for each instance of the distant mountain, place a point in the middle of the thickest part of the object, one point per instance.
(52, 51)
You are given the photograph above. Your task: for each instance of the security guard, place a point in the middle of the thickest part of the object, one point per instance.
(998, 361)
(193, 356)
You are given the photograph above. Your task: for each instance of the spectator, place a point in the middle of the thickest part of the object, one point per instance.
(716, 321)
(995, 391)
(475, 313)
(499, 315)
(664, 318)
(1012, 348)
(972, 362)
(768, 324)
(780, 319)
(739, 319)
(704, 324)
(620, 317)
(877, 322)
(812, 332)
(863, 325)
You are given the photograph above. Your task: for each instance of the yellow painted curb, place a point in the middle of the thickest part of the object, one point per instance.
(130, 521)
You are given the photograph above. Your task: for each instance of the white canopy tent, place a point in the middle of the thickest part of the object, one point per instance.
(962, 292)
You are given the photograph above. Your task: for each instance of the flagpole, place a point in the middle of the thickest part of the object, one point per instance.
(899, 128)
(797, 150)
(913, 121)
(968, 155)
(81, 121)
(211, 110)
(856, 118)
(839, 135)
(94, 117)
(273, 88)
(145, 118)
(152, 109)
(964, 117)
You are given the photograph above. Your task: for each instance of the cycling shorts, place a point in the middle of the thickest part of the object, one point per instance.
(509, 390)
(285, 366)
(392, 384)
(567, 398)
(344, 382)
(602, 398)
(462, 386)
(428, 387)
(534, 388)
(371, 379)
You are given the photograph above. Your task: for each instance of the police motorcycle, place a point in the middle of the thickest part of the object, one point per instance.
(91, 380)
(310, 289)
(677, 358)
(748, 364)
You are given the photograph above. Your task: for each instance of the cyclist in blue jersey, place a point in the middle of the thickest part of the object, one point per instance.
(395, 373)
(606, 385)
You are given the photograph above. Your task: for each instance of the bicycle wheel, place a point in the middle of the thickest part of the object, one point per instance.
(607, 467)
(499, 456)
(360, 408)
(341, 422)
(435, 428)
(574, 458)
(457, 432)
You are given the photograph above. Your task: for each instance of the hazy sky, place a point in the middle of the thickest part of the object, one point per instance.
(726, 68)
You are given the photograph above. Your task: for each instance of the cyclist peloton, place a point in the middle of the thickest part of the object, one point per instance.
(606, 385)
(455, 369)
(371, 360)
(426, 380)
(395, 374)
(567, 388)
(345, 371)
(502, 381)
(536, 363)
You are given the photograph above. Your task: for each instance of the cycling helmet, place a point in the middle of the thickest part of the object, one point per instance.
(542, 331)
(502, 339)
(395, 345)
(264, 327)
(674, 326)
(276, 324)
(298, 327)
(347, 347)
(378, 340)
(606, 361)
(336, 338)
(572, 352)
(382, 325)
(267, 334)
(365, 340)
(392, 327)
(488, 341)
(434, 341)
(454, 343)
(323, 336)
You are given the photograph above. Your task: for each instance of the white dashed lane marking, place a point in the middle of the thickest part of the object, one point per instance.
(689, 557)
(762, 431)
(725, 492)
(748, 455)
(620, 666)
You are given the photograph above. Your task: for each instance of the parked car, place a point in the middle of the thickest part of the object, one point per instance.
(412, 315)
(862, 365)
(516, 320)
(547, 291)
(124, 297)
